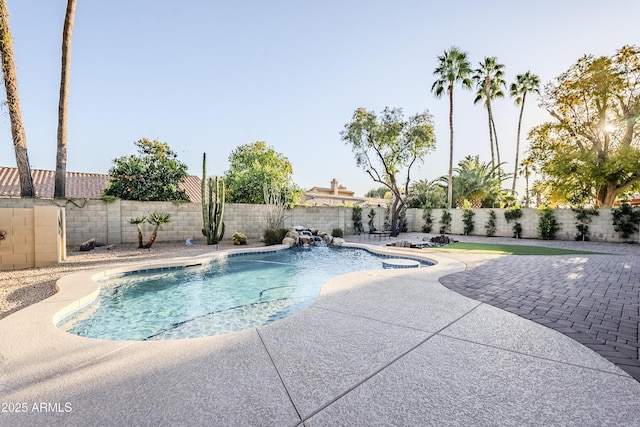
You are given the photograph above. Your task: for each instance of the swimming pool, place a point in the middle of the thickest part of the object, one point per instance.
(228, 294)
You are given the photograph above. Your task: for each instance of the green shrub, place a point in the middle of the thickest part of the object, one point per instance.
(625, 220)
(428, 220)
(583, 219)
(239, 239)
(513, 214)
(490, 226)
(337, 232)
(356, 216)
(467, 219)
(445, 222)
(547, 223)
(274, 236)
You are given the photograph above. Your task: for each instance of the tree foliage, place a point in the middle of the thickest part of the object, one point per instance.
(386, 145)
(525, 83)
(427, 194)
(378, 193)
(254, 166)
(489, 78)
(453, 66)
(476, 182)
(591, 152)
(154, 174)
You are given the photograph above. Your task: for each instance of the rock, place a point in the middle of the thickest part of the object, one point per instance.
(289, 241)
(88, 245)
(293, 235)
(327, 238)
(109, 247)
(338, 241)
(306, 240)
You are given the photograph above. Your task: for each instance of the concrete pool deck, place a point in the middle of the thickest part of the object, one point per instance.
(384, 347)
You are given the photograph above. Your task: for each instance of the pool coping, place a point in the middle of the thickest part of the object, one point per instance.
(370, 350)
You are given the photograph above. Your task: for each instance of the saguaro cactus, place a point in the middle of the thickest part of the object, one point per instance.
(212, 205)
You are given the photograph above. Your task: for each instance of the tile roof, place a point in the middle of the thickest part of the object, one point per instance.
(80, 185)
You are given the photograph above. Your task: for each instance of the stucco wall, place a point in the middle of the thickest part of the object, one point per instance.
(31, 237)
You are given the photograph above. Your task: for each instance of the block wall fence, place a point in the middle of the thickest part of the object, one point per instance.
(31, 237)
(109, 222)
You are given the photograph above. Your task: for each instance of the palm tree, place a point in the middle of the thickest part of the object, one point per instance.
(138, 221)
(527, 167)
(524, 84)
(489, 83)
(61, 153)
(156, 219)
(13, 103)
(453, 66)
(475, 181)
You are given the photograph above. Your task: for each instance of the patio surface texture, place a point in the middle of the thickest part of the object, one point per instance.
(384, 347)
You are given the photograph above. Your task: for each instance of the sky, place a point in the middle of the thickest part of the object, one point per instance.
(210, 76)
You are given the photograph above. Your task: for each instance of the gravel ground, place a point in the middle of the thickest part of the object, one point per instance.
(21, 288)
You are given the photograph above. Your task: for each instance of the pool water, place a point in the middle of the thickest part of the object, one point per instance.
(229, 294)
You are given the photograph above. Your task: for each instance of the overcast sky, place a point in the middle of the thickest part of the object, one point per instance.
(209, 76)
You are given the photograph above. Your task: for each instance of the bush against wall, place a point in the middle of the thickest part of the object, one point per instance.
(583, 219)
(445, 222)
(490, 226)
(428, 220)
(467, 219)
(625, 220)
(547, 223)
(513, 214)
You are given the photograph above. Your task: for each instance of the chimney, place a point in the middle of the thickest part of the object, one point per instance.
(334, 186)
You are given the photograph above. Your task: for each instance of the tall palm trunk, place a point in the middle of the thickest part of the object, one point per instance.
(487, 90)
(13, 103)
(61, 153)
(450, 182)
(515, 172)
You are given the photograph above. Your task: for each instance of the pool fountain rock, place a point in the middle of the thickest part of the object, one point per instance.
(301, 236)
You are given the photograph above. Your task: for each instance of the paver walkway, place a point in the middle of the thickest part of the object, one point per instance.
(594, 299)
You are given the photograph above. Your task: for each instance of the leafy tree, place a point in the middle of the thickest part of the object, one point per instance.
(254, 166)
(63, 105)
(427, 194)
(453, 66)
(489, 78)
(155, 174)
(377, 193)
(384, 145)
(524, 84)
(591, 153)
(13, 104)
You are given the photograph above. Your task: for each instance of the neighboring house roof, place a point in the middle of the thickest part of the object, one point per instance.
(80, 185)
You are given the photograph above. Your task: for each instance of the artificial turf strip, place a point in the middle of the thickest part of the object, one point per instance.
(490, 248)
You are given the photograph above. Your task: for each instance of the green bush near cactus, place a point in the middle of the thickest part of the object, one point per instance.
(337, 232)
